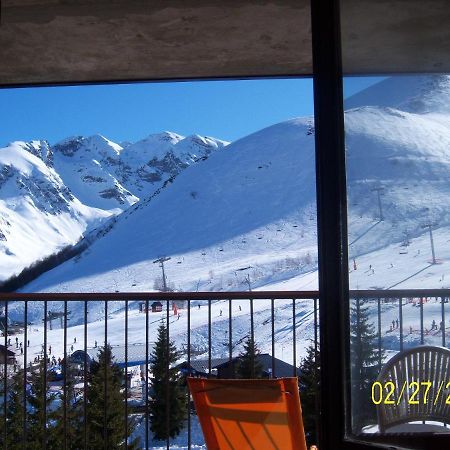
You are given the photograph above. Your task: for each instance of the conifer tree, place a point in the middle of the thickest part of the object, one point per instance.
(69, 423)
(14, 412)
(248, 365)
(105, 375)
(309, 381)
(167, 418)
(364, 360)
(40, 411)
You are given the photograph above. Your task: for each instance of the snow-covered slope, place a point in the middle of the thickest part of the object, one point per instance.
(38, 213)
(238, 207)
(51, 195)
(253, 205)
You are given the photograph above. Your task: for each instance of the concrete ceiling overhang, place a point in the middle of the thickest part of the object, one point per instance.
(52, 41)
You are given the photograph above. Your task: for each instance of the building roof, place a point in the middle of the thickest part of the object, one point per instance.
(202, 366)
(9, 352)
(136, 354)
(156, 304)
(282, 368)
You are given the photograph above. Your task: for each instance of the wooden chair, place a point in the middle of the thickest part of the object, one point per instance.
(249, 414)
(420, 364)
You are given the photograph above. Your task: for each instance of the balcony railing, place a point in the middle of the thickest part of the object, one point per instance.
(209, 329)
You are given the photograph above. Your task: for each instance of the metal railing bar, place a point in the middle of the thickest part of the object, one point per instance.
(44, 443)
(209, 337)
(422, 336)
(85, 375)
(126, 375)
(223, 295)
(400, 317)
(5, 383)
(443, 320)
(272, 315)
(252, 336)
(146, 374)
(189, 368)
(168, 376)
(105, 384)
(294, 339)
(379, 331)
(25, 345)
(65, 376)
(230, 336)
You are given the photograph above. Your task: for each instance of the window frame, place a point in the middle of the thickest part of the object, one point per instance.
(331, 188)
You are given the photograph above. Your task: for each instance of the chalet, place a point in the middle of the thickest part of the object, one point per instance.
(200, 367)
(156, 307)
(8, 354)
(270, 366)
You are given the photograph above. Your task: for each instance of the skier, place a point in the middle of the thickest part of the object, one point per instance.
(71, 348)
(240, 308)
(95, 344)
(17, 342)
(433, 325)
(50, 350)
(393, 324)
(220, 313)
(199, 306)
(75, 340)
(396, 323)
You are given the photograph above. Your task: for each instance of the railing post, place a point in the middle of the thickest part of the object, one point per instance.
(400, 317)
(126, 375)
(85, 375)
(189, 368)
(146, 374)
(294, 339)
(443, 321)
(379, 333)
(25, 339)
(422, 338)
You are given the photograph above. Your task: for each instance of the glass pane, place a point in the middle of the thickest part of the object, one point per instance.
(398, 160)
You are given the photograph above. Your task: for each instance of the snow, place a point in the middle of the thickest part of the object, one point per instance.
(246, 213)
(50, 196)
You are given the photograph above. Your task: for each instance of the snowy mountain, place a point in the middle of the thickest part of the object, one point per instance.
(50, 196)
(38, 213)
(253, 206)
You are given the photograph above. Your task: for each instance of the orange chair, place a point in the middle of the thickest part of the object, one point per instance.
(249, 414)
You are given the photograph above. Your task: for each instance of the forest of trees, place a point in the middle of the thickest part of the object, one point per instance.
(56, 419)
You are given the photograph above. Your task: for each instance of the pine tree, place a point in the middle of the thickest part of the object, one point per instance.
(167, 418)
(40, 415)
(70, 432)
(364, 360)
(309, 381)
(14, 412)
(248, 365)
(106, 375)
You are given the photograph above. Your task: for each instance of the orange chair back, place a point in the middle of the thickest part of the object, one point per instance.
(249, 414)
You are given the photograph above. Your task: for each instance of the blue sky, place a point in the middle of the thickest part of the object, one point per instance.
(128, 112)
